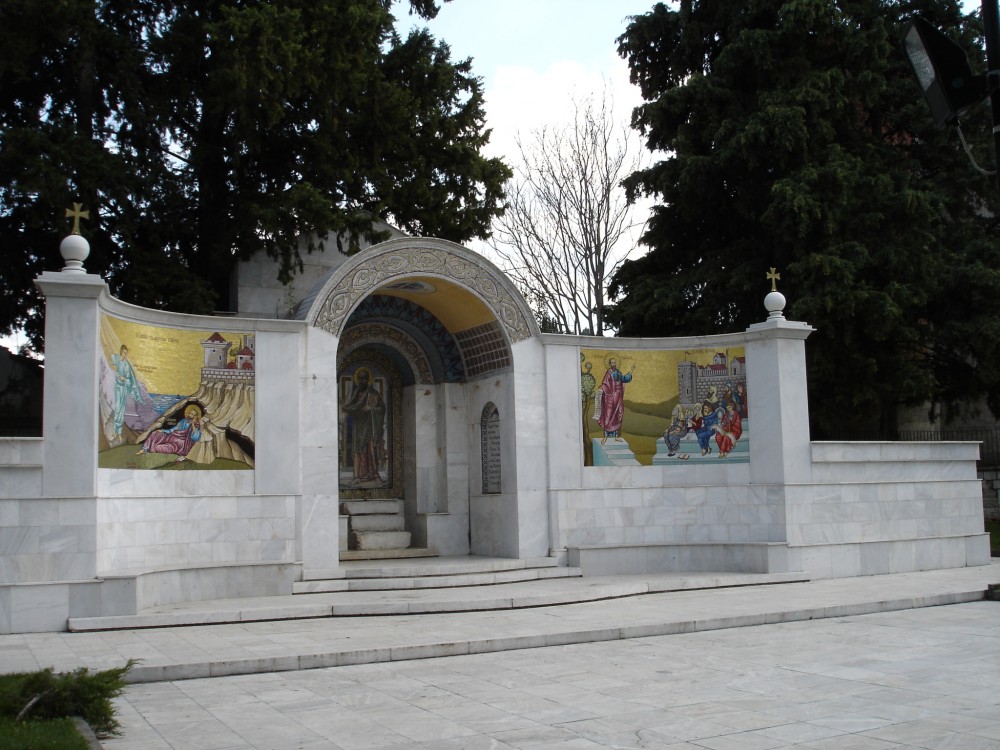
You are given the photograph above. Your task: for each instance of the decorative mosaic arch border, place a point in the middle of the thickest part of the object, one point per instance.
(407, 256)
(376, 333)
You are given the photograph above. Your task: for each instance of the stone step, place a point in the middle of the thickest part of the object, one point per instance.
(370, 507)
(440, 567)
(378, 522)
(370, 540)
(434, 581)
(364, 555)
(536, 593)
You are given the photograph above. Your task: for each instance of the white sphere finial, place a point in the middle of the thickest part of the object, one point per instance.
(774, 303)
(74, 249)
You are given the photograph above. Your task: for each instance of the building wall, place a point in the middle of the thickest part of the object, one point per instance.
(862, 508)
(76, 540)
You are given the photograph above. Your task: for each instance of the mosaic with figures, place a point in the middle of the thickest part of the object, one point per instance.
(369, 429)
(663, 407)
(175, 399)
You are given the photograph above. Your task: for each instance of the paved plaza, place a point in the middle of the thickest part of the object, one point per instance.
(906, 660)
(919, 678)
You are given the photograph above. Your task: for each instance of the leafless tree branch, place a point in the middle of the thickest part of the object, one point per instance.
(568, 224)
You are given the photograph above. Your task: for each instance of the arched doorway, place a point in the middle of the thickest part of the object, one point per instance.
(437, 322)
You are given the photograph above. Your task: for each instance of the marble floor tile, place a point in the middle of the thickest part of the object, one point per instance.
(920, 679)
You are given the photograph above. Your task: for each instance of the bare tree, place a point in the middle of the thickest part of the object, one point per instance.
(568, 224)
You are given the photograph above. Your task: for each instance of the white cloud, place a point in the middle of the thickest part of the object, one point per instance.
(523, 99)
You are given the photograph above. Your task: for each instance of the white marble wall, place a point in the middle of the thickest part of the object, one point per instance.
(637, 509)
(277, 418)
(831, 508)
(533, 407)
(887, 491)
(493, 528)
(47, 539)
(822, 508)
(139, 534)
(442, 453)
(150, 520)
(259, 293)
(318, 515)
(423, 484)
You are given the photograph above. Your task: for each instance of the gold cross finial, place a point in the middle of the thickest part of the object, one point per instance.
(76, 213)
(773, 277)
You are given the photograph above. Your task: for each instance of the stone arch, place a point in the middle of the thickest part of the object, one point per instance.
(399, 258)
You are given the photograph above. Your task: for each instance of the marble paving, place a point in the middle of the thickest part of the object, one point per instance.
(197, 651)
(919, 678)
(909, 660)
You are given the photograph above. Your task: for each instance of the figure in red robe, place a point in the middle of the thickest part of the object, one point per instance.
(613, 400)
(728, 430)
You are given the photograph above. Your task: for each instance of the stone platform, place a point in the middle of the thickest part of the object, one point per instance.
(557, 612)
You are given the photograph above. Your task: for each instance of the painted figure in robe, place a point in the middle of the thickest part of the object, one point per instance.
(366, 409)
(613, 400)
(729, 429)
(180, 438)
(126, 386)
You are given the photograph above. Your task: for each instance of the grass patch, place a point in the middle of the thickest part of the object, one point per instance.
(39, 698)
(58, 734)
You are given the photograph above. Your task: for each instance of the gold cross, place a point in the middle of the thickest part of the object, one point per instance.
(773, 277)
(76, 214)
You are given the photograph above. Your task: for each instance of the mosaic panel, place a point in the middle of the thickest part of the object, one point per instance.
(175, 399)
(662, 407)
(484, 349)
(378, 333)
(420, 320)
(370, 435)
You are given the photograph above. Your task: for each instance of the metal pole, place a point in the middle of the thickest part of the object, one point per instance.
(991, 27)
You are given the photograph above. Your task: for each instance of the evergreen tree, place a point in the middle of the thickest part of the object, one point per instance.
(793, 134)
(196, 133)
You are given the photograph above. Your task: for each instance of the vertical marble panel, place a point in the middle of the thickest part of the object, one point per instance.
(277, 404)
(319, 510)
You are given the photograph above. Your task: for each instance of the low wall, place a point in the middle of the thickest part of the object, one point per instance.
(687, 558)
(154, 532)
(667, 506)
(869, 509)
(864, 492)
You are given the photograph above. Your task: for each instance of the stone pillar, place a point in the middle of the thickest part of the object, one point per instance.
(71, 414)
(319, 515)
(67, 510)
(779, 405)
(531, 446)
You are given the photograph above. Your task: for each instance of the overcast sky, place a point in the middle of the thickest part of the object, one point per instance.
(533, 55)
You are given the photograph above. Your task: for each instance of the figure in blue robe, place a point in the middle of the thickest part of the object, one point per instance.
(126, 386)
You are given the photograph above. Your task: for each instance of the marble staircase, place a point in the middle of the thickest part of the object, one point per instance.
(376, 530)
(435, 585)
